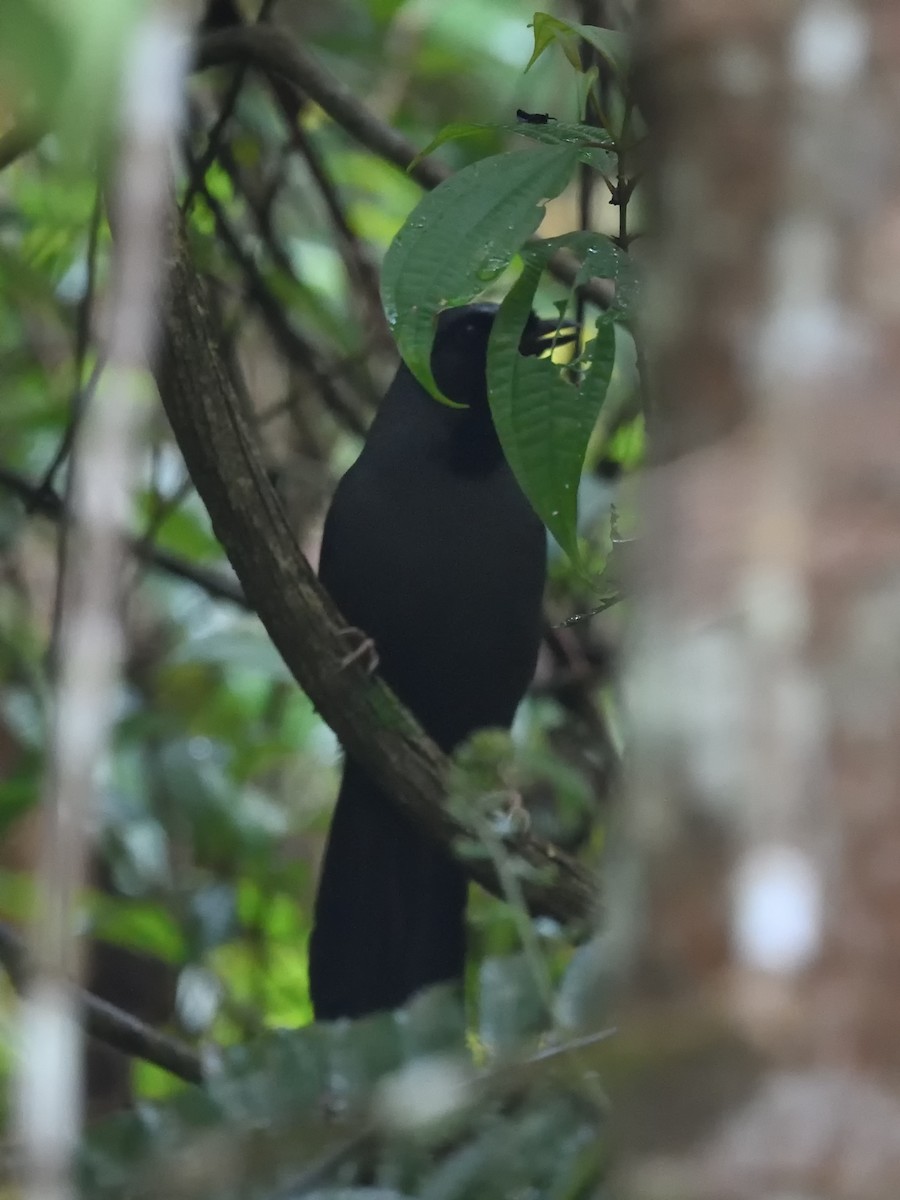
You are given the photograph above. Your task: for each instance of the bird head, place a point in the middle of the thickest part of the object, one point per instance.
(459, 352)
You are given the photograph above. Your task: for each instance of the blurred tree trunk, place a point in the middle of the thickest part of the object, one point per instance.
(764, 678)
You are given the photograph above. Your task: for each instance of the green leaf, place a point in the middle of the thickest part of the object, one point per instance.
(602, 259)
(460, 237)
(591, 142)
(34, 51)
(545, 422)
(183, 530)
(137, 925)
(451, 133)
(67, 60)
(584, 87)
(548, 30)
(612, 46)
(511, 1005)
(628, 443)
(243, 647)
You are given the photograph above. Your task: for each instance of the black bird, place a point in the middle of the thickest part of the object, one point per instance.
(430, 548)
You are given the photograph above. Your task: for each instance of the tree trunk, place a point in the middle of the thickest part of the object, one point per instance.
(764, 676)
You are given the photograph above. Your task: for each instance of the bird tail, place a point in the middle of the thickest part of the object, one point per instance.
(390, 910)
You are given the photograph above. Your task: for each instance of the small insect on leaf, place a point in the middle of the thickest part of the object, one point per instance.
(533, 118)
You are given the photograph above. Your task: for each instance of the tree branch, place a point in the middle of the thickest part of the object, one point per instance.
(292, 343)
(109, 1024)
(19, 140)
(301, 619)
(47, 502)
(270, 51)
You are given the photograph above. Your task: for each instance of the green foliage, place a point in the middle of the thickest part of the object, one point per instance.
(545, 417)
(66, 70)
(612, 47)
(390, 1103)
(589, 141)
(220, 772)
(138, 925)
(498, 202)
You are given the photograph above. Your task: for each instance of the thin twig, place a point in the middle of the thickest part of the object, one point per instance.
(260, 212)
(213, 142)
(602, 607)
(573, 1046)
(109, 1024)
(293, 343)
(270, 51)
(357, 260)
(374, 323)
(216, 585)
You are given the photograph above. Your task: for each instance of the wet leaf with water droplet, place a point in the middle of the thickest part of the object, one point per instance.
(544, 420)
(461, 236)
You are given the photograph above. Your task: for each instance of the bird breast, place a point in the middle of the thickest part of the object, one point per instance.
(446, 574)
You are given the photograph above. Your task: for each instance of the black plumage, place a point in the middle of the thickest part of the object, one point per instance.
(430, 548)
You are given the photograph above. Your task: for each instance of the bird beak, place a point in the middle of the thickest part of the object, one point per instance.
(544, 335)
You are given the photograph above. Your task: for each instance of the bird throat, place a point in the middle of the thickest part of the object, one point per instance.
(472, 447)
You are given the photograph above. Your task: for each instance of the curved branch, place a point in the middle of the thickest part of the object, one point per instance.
(271, 52)
(299, 616)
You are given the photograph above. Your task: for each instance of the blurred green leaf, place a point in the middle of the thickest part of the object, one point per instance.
(34, 50)
(613, 47)
(181, 531)
(24, 715)
(246, 648)
(628, 444)
(137, 925)
(512, 1007)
